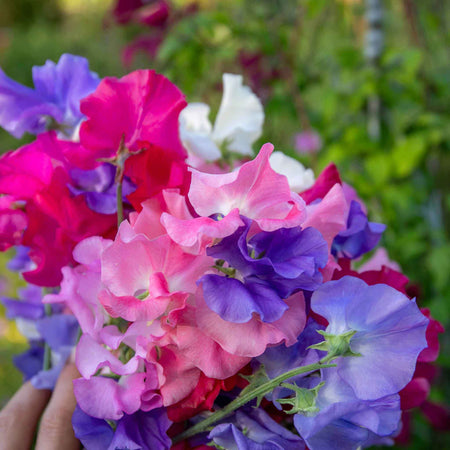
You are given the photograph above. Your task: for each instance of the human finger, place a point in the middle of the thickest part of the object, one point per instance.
(55, 430)
(19, 418)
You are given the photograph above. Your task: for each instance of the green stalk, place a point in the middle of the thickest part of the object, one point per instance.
(119, 202)
(47, 350)
(242, 400)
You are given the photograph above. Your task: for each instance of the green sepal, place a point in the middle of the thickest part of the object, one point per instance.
(256, 380)
(304, 401)
(336, 345)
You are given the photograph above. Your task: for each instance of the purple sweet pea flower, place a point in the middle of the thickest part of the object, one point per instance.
(360, 237)
(57, 94)
(99, 188)
(141, 430)
(263, 271)
(261, 433)
(345, 422)
(30, 362)
(389, 334)
(29, 306)
(59, 331)
(21, 262)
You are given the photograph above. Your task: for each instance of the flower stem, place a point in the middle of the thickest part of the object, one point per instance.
(248, 396)
(119, 202)
(47, 350)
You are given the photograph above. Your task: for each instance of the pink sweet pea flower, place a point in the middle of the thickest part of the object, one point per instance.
(140, 109)
(143, 276)
(254, 190)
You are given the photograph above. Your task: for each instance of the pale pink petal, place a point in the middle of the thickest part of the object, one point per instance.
(330, 215)
(200, 232)
(255, 189)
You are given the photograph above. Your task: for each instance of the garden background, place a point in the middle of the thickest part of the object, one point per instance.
(371, 78)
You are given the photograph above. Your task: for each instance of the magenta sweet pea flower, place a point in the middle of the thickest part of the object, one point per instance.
(139, 110)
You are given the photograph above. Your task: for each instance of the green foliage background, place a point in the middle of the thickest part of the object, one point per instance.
(314, 74)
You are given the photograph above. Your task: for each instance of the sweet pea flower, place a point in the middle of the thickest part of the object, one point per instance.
(254, 430)
(360, 237)
(141, 430)
(132, 122)
(238, 123)
(344, 422)
(58, 90)
(299, 178)
(262, 271)
(99, 188)
(389, 334)
(138, 111)
(254, 190)
(142, 277)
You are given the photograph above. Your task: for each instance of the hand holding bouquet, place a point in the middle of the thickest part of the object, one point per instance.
(211, 298)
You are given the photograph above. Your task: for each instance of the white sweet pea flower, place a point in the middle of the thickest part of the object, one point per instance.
(196, 130)
(299, 178)
(238, 122)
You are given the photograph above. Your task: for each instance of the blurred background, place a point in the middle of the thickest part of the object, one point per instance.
(363, 83)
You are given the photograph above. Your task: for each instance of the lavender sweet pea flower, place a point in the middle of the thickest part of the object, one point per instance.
(57, 94)
(389, 334)
(21, 262)
(360, 237)
(99, 188)
(261, 433)
(28, 307)
(30, 362)
(263, 271)
(345, 422)
(141, 430)
(59, 331)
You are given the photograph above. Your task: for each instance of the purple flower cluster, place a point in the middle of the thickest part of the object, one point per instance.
(263, 270)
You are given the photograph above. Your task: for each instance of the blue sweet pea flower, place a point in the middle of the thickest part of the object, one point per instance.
(58, 89)
(389, 333)
(262, 271)
(345, 422)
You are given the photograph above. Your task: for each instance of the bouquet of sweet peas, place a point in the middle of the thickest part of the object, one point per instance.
(210, 297)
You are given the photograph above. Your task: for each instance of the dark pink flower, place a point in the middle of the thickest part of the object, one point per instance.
(138, 111)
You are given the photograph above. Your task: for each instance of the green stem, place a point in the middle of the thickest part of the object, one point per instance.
(119, 202)
(242, 400)
(47, 350)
